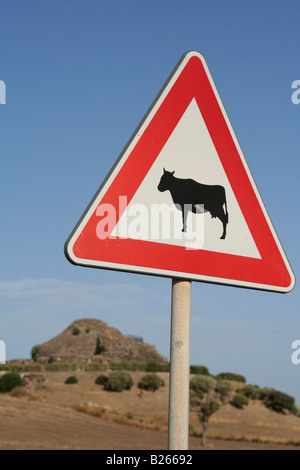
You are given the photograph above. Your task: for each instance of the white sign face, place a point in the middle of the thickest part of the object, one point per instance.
(190, 151)
(181, 201)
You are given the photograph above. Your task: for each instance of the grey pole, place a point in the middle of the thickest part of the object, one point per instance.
(180, 365)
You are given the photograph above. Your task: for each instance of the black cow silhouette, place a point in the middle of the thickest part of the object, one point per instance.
(188, 195)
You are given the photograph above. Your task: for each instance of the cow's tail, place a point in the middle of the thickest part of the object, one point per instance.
(226, 212)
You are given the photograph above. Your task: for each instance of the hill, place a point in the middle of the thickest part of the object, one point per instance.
(81, 340)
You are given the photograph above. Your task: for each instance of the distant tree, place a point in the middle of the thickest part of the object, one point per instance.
(151, 382)
(239, 400)
(9, 381)
(101, 380)
(206, 410)
(251, 391)
(100, 348)
(118, 381)
(201, 384)
(231, 376)
(206, 398)
(71, 380)
(223, 388)
(34, 353)
(199, 370)
(277, 401)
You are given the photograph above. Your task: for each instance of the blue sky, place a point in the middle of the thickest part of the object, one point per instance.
(79, 76)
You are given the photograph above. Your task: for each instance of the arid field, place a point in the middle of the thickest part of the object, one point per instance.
(48, 414)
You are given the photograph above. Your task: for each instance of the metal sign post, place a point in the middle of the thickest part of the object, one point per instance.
(180, 365)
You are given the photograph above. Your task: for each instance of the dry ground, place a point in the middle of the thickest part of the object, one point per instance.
(51, 415)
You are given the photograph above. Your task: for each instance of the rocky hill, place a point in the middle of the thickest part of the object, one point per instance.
(83, 341)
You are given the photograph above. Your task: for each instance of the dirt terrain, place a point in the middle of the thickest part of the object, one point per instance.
(48, 414)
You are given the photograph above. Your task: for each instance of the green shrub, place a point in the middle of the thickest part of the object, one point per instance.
(231, 376)
(277, 401)
(94, 366)
(127, 365)
(136, 365)
(60, 367)
(201, 384)
(71, 380)
(251, 391)
(199, 370)
(28, 368)
(75, 331)
(239, 400)
(207, 409)
(152, 366)
(151, 382)
(100, 348)
(34, 352)
(15, 367)
(118, 381)
(101, 380)
(264, 393)
(9, 381)
(223, 389)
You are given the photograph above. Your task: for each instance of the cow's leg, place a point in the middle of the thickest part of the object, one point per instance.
(224, 219)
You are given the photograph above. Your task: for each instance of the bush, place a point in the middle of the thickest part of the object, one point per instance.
(100, 348)
(94, 366)
(251, 391)
(223, 389)
(118, 381)
(277, 401)
(60, 366)
(9, 381)
(231, 376)
(152, 366)
(199, 370)
(151, 382)
(264, 393)
(15, 367)
(34, 352)
(239, 400)
(135, 365)
(101, 380)
(71, 380)
(75, 331)
(127, 365)
(201, 384)
(207, 409)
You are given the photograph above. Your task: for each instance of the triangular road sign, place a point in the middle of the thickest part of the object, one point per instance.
(184, 154)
